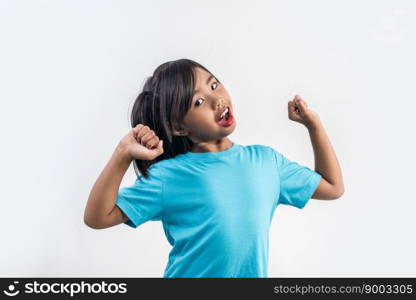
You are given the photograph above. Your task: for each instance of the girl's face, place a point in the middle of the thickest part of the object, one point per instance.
(208, 103)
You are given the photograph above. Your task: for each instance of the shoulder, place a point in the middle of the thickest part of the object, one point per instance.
(165, 167)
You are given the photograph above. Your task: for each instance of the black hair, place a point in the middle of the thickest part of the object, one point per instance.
(163, 103)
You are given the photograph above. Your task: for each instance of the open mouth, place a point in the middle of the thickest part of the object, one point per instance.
(226, 117)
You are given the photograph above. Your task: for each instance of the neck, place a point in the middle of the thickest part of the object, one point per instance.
(212, 146)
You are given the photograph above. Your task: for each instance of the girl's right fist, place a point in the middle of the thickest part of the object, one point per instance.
(142, 143)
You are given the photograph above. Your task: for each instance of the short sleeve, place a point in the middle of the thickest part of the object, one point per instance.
(297, 182)
(142, 201)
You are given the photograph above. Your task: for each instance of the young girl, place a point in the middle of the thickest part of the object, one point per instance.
(215, 198)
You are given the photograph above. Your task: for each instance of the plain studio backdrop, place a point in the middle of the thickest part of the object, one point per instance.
(70, 71)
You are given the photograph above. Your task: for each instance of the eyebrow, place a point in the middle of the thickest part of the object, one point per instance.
(208, 80)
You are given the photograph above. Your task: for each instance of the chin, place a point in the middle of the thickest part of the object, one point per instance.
(229, 130)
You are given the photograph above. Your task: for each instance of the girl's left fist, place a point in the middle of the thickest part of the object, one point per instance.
(299, 112)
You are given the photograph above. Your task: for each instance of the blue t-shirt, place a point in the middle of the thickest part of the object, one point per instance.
(216, 207)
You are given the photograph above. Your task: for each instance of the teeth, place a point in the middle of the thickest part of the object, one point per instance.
(223, 114)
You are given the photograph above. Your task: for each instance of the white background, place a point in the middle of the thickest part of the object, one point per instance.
(70, 71)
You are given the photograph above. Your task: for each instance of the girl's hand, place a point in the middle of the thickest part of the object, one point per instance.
(299, 112)
(141, 143)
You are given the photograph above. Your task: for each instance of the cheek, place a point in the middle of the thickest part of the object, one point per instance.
(191, 121)
(201, 121)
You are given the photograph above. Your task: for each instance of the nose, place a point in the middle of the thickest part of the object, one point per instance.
(219, 104)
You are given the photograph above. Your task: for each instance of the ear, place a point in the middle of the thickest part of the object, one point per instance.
(179, 131)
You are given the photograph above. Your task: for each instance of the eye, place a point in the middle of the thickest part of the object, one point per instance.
(196, 102)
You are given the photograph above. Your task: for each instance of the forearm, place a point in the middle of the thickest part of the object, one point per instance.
(326, 162)
(104, 193)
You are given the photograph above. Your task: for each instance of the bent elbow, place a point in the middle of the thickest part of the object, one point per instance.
(91, 224)
(338, 194)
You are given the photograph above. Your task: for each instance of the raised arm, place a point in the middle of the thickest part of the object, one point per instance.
(101, 211)
(331, 186)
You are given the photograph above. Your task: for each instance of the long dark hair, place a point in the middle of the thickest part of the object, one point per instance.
(163, 102)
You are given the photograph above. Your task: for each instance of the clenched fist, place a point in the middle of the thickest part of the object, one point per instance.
(141, 143)
(298, 111)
